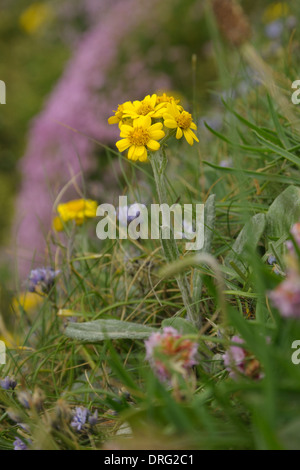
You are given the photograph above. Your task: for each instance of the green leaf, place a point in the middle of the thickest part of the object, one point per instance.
(259, 175)
(279, 150)
(279, 129)
(246, 241)
(181, 325)
(100, 330)
(283, 213)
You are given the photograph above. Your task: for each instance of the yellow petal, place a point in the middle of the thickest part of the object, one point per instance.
(157, 135)
(188, 137)
(171, 124)
(153, 100)
(153, 145)
(139, 150)
(174, 109)
(143, 157)
(122, 144)
(131, 152)
(125, 130)
(113, 120)
(178, 133)
(193, 135)
(156, 126)
(57, 224)
(169, 116)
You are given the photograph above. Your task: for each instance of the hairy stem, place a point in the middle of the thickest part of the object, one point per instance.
(159, 162)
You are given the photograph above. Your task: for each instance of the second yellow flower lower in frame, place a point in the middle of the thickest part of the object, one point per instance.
(139, 137)
(77, 209)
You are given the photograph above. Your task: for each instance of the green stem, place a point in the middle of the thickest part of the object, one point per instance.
(159, 162)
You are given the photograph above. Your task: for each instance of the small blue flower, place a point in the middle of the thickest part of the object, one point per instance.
(226, 163)
(8, 383)
(274, 30)
(80, 418)
(271, 259)
(43, 277)
(19, 444)
(123, 213)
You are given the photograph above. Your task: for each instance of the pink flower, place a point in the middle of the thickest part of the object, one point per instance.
(170, 352)
(82, 99)
(295, 232)
(234, 358)
(238, 361)
(286, 296)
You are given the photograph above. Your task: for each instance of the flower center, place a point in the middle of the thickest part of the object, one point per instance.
(184, 120)
(139, 136)
(144, 109)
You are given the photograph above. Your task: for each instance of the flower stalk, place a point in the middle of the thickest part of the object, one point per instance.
(159, 162)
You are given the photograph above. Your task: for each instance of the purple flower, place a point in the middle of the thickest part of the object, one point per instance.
(275, 29)
(82, 418)
(19, 444)
(8, 383)
(271, 260)
(239, 362)
(234, 358)
(226, 163)
(295, 232)
(81, 101)
(170, 352)
(127, 214)
(42, 277)
(286, 296)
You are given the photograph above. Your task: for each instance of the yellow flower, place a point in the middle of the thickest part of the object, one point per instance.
(275, 11)
(78, 210)
(182, 121)
(35, 16)
(147, 107)
(139, 136)
(119, 118)
(164, 98)
(27, 300)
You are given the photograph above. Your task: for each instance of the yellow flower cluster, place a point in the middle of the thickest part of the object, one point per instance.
(78, 210)
(141, 124)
